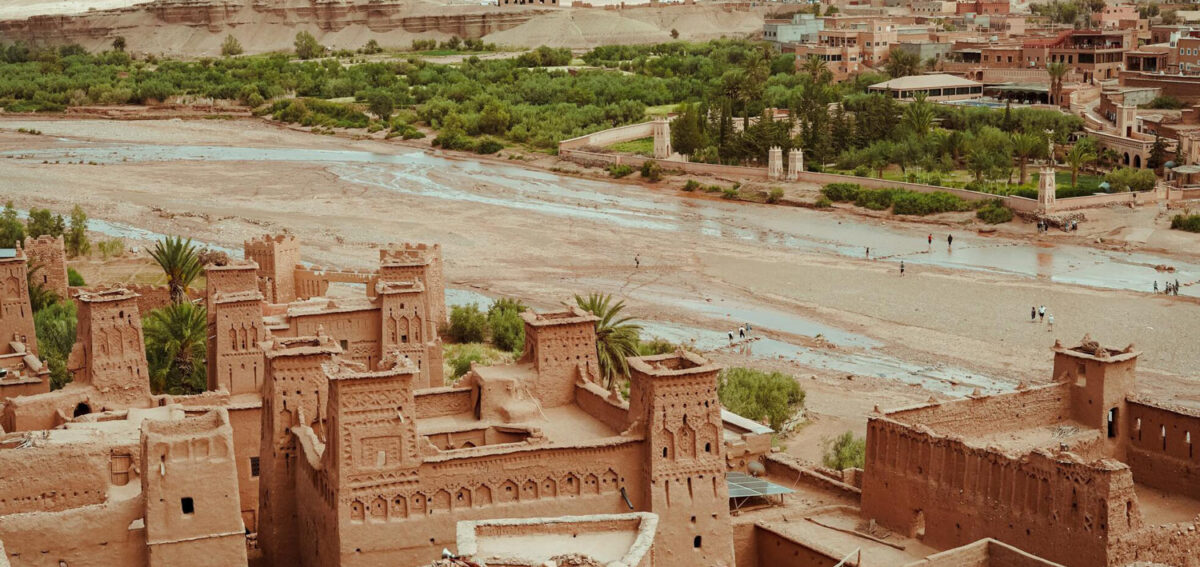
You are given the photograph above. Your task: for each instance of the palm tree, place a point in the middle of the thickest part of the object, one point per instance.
(1026, 146)
(902, 63)
(1081, 153)
(918, 116)
(616, 337)
(817, 69)
(1057, 71)
(179, 261)
(175, 348)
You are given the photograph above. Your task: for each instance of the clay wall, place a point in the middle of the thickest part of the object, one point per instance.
(562, 348)
(595, 400)
(16, 315)
(983, 553)
(102, 534)
(109, 352)
(508, 482)
(357, 330)
(1171, 544)
(610, 136)
(1162, 448)
(783, 465)
(437, 402)
(314, 282)
(58, 478)
(277, 257)
(50, 254)
(1042, 405)
(190, 490)
(949, 493)
(46, 411)
(775, 548)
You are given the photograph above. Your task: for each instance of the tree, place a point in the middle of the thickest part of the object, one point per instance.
(817, 70)
(1081, 153)
(1128, 179)
(307, 46)
(231, 46)
(757, 395)
(507, 326)
(55, 327)
(77, 243)
(1057, 71)
(44, 222)
(687, 134)
(1158, 153)
(119, 43)
(918, 116)
(381, 104)
(1027, 146)
(902, 63)
(371, 47)
(180, 263)
(616, 336)
(845, 451)
(175, 348)
(467, 324)
(11, 229)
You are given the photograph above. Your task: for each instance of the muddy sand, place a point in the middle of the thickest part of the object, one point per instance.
(854, 331)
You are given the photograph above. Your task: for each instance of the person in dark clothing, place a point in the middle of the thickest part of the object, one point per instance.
(902, 267)
(949, 240)
(1033, 314)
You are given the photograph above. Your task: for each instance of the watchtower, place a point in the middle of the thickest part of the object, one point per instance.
(109, 352)
(49, 254)
(561, 346)
(1100, 379)
(190, 489)
(674, 396)
(276, 257)
(16, 314)
(235, 328)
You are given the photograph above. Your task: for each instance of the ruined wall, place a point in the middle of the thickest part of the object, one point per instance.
(356, 330)
(1017, 410)
(595, 400)
(948, 493)
(437, 402)
(100, 535)
(50, 255)
(1162, 450)
(1172, 544)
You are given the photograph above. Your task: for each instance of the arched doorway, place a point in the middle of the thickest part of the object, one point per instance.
(82, 409)
(1137, 161)
(1126, 158)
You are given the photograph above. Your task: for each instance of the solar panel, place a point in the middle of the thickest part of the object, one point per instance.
(742, 485)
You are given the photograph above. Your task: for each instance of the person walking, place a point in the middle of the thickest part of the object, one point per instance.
(902, 267)
(1155, 286)
(868, 252)
(730, 337)
(1033, 314)
(741, 332)
(1042, 312)
(637, 261)
(1176, 286)
(931, 239)
(1050, 323)
(949, 240)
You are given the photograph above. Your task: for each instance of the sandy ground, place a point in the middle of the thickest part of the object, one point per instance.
(20, 9)
(581, 235)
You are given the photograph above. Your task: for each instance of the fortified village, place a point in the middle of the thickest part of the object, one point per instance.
(327, 438)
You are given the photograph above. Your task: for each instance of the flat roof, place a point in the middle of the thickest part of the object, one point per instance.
(938, 80)
(8, 252)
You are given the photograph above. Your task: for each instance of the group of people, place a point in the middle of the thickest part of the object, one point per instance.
(1036, 313)
(1069, 226)
(1168, 287)
(742, 333)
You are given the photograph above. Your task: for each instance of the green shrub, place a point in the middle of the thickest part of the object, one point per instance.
(1127, 179)
(55, 328)
(875, 199)
(691, 185)
(713, 189)
(508, 329)
(619, 171)
(913, 203)
(1190, 223)
(845, 451)
(307, 46)
(488, 146)
(73, 278)
(994, 212)
(758, 395)
(651, 171)
(231, 46)
(774, 195)
(111, 248)
(841, 192)
(655, 346)
(467, 324)
(458, 358)
(730, 193)
(1165, 102)
(316, 112)
(823, 202)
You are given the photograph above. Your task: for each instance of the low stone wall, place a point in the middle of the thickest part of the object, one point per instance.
(609, 137)
(787, 466)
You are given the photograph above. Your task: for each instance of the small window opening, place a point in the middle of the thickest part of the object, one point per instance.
(188, 506)
(696, 542)
(254, 467)
(1112, 423)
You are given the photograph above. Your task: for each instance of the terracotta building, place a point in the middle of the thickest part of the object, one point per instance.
(1053, 470)
(21, 371)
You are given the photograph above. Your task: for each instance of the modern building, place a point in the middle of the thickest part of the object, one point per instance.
(938, 87)
(802, 28)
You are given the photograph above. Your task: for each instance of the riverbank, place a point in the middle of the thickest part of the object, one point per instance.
(956, 320)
